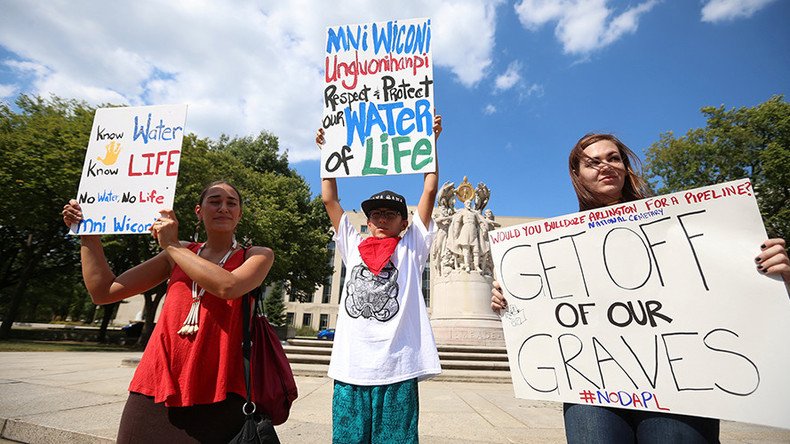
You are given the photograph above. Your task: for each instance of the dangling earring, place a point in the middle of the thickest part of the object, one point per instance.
(197, 231)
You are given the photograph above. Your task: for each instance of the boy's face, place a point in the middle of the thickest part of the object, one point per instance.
(386, 222)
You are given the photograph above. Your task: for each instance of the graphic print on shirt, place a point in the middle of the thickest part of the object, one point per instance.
(372, 296)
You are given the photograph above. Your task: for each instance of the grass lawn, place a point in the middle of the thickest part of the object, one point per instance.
(16, 345)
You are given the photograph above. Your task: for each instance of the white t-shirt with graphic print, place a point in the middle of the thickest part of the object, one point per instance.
(383, 334)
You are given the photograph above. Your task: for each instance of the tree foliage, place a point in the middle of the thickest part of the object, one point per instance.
(260, 153)
(42, 148)
(274, 305)
(749, 142)
(277, 208)
(41, 152)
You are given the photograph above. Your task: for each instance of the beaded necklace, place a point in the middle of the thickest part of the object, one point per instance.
(190, 326)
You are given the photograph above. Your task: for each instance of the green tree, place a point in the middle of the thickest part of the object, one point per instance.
(43, 148)
(279, 211)
(124, 252)
(274, 306)
(260, 153)
(41, 152)
(749, 142)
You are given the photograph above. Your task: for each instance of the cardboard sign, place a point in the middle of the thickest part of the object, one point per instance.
(652, 305)
(131, 167)
(378, 99)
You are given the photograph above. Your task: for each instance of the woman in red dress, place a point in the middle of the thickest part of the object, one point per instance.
(189, 385)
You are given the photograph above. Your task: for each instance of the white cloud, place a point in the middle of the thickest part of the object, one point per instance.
(26, 69)
(8, 90)
(242, 67)
(582, 26)
(467, 37)
(533, 90)
(723, 10)
(489, 109)
(510, 78)
(535, 13)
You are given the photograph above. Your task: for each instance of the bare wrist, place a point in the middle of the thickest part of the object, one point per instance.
(86, 239)
(171, 245)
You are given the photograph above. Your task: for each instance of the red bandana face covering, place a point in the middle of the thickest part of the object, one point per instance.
(376, 252)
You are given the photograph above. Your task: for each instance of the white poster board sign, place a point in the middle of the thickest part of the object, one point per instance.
(653, 305)
(378, 99)
(130, 169)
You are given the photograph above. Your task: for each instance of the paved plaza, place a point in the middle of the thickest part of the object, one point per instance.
(78, 397)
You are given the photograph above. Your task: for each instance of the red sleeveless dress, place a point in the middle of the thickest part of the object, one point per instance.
(194, 369)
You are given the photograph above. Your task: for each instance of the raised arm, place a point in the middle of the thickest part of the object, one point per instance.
(430, 180)
(102, 284)
(329, 190)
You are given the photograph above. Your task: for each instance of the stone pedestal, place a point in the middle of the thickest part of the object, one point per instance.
(461, 311)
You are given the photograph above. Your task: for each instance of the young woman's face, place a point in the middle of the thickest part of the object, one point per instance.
(386, 222)
(602, 172)
(220, 209)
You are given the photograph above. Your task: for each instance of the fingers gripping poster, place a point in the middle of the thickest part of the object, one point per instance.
(130, 169)
(654, 305)
(378, 99)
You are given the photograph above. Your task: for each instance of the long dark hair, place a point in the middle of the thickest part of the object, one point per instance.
(634, 188)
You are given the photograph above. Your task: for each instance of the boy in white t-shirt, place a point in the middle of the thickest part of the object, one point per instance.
(383, 339)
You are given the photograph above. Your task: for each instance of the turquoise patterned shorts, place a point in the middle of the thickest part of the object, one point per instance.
(375, 414)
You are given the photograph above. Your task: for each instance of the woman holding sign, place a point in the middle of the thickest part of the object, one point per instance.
(602, 171)
(189, 385)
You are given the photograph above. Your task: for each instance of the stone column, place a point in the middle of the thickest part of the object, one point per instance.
(462, 312)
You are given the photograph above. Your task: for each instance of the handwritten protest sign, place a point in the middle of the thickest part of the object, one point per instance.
(378, 99)
(131, 167)
(653, 305)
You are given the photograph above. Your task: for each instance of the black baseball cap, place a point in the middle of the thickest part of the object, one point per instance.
(386, 199)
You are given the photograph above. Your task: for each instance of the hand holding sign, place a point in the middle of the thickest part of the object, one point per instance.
(437, 125)
(773, 260)
(165, 229)
(498, 301)
(72, 213)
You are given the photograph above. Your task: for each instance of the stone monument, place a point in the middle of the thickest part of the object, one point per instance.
(462, 269)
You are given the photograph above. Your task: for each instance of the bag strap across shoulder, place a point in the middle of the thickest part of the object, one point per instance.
(246, 345)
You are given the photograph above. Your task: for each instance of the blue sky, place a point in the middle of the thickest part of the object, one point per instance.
(517, 83)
